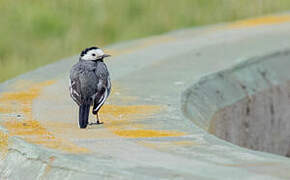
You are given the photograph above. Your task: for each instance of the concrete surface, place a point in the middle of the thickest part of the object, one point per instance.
(252, 103)
(152, 130)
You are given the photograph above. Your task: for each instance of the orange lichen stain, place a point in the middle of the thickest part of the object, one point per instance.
(121, 118)
(123, 121)
(26, 96)
(143, 133)
(260, 21)
(5, 109)
(120, 121)
(27, 127)
(70, 130)
(3, 143)
(121, 111)
(33, 132)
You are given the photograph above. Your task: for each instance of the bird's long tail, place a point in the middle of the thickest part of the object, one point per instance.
(84, 115)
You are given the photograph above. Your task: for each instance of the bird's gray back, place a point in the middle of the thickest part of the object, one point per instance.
(90, 75)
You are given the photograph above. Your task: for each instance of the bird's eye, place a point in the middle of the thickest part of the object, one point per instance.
(93, 54)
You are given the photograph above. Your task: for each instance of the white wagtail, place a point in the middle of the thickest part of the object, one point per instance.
(90, 83)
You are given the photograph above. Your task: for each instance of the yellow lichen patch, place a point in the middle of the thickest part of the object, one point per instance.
(260, 21)
(143, 133)
(5, 110)
(3, 143)
(26, 127)
(120, 121)
(123, 121)
(70, 130)
(33, 132)
(124, 117)
(121, 111)
(25, 96)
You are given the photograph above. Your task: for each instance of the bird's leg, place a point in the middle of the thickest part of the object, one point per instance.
(98, 121)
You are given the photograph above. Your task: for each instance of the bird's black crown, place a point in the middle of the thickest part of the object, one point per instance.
(88, 49)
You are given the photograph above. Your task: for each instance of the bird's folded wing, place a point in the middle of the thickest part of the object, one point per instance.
(75, 92)
(100, 96)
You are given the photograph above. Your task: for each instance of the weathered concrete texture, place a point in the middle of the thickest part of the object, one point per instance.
(252, 103)
(26, 161)
(145, 134)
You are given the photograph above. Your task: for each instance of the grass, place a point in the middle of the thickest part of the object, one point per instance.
(35, 32)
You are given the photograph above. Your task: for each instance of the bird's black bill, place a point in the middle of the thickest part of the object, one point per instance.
(106, 55)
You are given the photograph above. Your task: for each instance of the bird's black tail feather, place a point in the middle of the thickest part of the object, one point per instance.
(84, 115)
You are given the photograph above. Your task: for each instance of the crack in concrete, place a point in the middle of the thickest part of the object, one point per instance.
(47, 163)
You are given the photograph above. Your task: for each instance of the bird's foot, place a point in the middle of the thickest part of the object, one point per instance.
(96, 123)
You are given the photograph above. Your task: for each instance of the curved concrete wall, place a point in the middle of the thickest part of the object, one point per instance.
(248, 104)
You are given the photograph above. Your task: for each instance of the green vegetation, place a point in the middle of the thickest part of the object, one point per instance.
(36, 32)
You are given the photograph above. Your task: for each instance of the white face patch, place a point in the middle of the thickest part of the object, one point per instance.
(93, 54)
(99, 52)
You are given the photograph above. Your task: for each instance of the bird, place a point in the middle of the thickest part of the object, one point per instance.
(89, 84)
